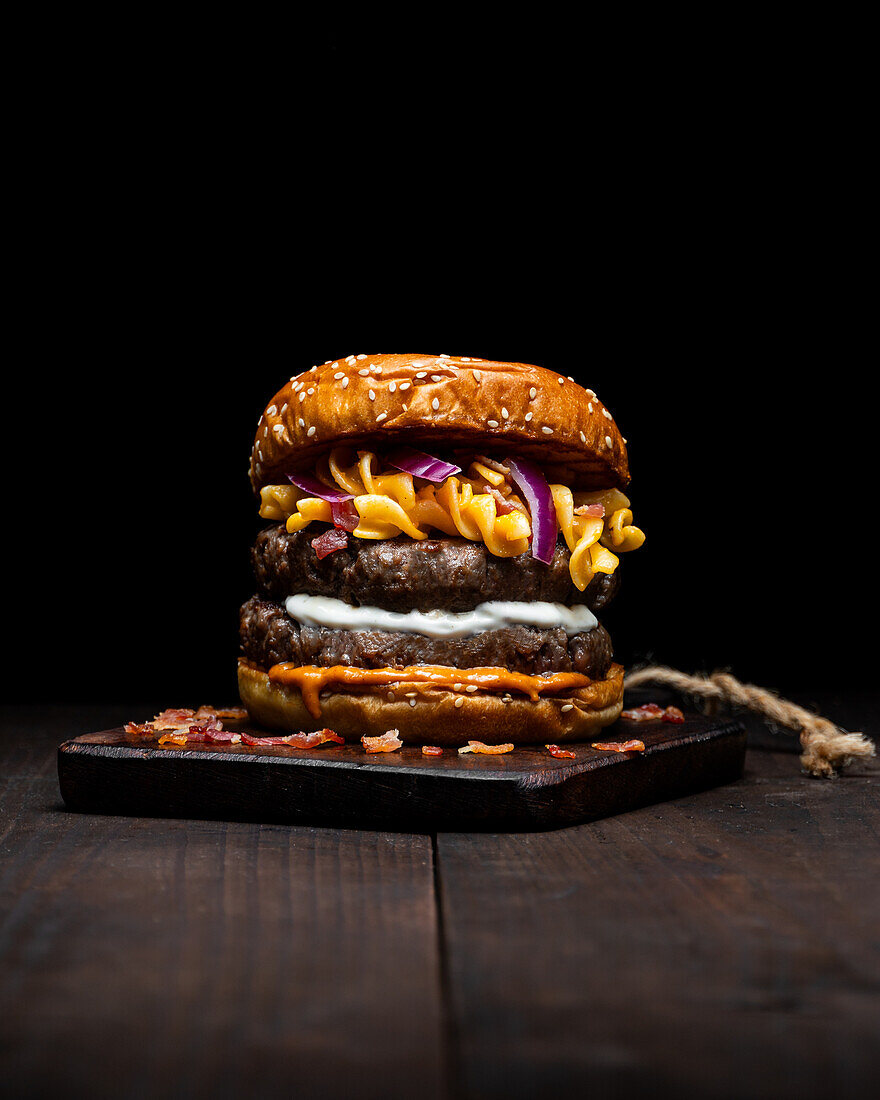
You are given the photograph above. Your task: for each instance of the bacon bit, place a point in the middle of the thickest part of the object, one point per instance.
(486, 750)
(234, 714)
(597, 510)
(217, 736)
(173, 739)
(345, 515)
(620, 746)
(249, 739)
(144, 729)
(431, 750)
(312, 740)
(331, 541)
(651, 712)
(560, 754)
(386, 742)
(503, 506)
(173, 719)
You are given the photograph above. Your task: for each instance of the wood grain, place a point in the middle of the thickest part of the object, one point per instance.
(723, 945)
(145, 957)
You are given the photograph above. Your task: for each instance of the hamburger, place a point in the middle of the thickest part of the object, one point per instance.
(444, 534)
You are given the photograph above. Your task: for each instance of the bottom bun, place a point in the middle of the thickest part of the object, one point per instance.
(435, 719)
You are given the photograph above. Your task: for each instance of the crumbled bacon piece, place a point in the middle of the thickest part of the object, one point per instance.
(234, 714)
(142, 729)
(672, 714)
(332, 540)
(560, 754)
(345, 515)
(312, 740)
(173, 739)
(596, 510)
(249, 739)
(503, 506)
(173, 719)
(386, 742)
(487, 750)
(620, 746)
(431, 750)
(221, 737)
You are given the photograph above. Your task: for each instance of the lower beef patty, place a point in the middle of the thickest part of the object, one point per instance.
(401, 574)
(269, 636)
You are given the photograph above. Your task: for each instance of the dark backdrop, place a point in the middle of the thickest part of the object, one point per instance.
(131, 516)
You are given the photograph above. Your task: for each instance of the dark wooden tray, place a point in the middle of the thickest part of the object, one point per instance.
(111, 772)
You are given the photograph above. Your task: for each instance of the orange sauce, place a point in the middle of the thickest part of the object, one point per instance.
(311, 680)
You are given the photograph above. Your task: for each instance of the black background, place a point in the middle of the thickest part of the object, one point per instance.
(672, 244)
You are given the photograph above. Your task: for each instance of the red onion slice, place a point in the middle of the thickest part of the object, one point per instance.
(420, 464)
(533, 486)
(316, 488)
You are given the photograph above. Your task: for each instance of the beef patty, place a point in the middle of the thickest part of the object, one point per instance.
(269, 636)
(401, 574)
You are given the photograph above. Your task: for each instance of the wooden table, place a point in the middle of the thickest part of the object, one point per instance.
(723, 945)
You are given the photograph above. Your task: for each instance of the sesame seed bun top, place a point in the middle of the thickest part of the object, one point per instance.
(446, 405)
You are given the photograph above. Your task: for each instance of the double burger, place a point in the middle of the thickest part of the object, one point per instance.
(444, 533)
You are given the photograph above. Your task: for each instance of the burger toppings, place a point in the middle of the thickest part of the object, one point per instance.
(620, 746)
(311, 680)
(533, 485)
(651, 712)
(431, 750)
(178, 720)
(334, 539)
(509, 507)
(386, 742)
(485, 750)
(560, 754)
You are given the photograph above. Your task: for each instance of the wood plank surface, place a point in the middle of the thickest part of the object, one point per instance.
(145, 957)
(722, 945)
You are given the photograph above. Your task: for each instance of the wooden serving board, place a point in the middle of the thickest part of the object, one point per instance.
(112, 772)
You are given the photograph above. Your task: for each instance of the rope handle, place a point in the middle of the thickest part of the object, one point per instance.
(826, 748)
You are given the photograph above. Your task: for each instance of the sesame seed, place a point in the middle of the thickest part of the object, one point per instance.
(360, 356)
(339, 374)
(381, 417)
(443, 357)
(422, 374)
(528, 417)
(311, 431)
(271, 410)
(278, 429)
(405, 386)
(608, 441)
(478, 374)
(546, 430)
(567, 707)
(265, 431)
(589, 406)
(592, 394)
(561, 381)
(345, 383)
(583, 438)
(606, 413)
(392, 386)
(410, 695)
(363, 372)
(312, 370)
(465, 358)
(436, 377)
(457, 686)
(405, 407)
(492, 423)
(311, 390)
(302, 396)
(570, 378)
(372, 395)
(435, 404)
(412, 702)
(459, 702)
(533, 393)
(375, 368)
(390, 696)
(504, 413)
(301, 422)
(471, 687)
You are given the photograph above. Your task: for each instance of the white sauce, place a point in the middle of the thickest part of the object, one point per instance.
(495, 615)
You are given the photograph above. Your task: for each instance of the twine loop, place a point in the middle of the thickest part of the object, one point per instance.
(826, 747)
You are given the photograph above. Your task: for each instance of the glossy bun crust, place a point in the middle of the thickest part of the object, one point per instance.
(435, 719)
(441, 404)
